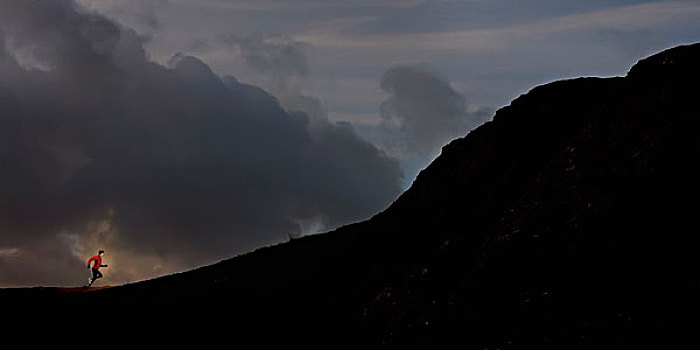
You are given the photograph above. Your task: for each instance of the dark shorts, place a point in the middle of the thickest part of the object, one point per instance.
(96, 274)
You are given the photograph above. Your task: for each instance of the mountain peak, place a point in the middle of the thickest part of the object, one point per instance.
(676, 62)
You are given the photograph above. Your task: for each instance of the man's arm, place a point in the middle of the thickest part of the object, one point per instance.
(89, 261)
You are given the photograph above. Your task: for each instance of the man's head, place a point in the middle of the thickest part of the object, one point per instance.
(101, 252)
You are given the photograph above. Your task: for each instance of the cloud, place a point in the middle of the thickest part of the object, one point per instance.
(285, 61)
(500, 38)
(139, 14)
(164, 167)
(277, 54)
(279, 5)
(423, 113)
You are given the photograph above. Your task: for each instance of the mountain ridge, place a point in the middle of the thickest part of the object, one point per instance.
(535, 229)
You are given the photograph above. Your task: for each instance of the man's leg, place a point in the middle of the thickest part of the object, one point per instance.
(95, 275)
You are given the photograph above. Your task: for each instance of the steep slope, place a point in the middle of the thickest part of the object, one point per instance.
(568, 221)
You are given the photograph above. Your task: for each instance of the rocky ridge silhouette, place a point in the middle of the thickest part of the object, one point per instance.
(568, 221)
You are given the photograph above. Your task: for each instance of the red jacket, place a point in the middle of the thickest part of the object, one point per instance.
(98, 262)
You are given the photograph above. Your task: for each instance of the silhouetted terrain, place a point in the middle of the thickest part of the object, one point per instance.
(569, 221)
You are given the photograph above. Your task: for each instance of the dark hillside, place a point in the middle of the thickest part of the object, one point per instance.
(568, 221)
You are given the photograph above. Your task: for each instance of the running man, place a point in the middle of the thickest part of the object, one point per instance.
(95, 269)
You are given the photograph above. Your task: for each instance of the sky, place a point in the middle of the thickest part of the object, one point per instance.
(176, 133)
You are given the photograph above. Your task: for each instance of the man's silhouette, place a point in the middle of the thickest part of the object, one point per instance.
(95, 269)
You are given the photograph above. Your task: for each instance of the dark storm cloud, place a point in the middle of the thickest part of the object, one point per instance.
(168, 166)
(422, 114)
(285, 61)
(423, 111)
